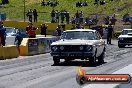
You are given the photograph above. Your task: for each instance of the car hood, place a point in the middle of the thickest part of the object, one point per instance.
(125, 36)
(74, 42)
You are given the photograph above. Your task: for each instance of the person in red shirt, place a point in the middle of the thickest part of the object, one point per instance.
(31, 31)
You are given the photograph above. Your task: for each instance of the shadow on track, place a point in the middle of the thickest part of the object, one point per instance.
(128, 47)
(78, 63)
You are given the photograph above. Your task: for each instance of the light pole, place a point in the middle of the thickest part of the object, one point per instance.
(24, 10)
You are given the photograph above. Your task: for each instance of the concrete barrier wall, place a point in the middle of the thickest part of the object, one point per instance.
(8, 52)
(1, 52)
(33, 46)
(24, 47)
(10, 40)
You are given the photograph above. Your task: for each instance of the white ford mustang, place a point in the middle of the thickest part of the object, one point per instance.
(79, 44)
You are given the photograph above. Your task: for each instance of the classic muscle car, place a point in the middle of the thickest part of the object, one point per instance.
(125, 38)
(81, 44)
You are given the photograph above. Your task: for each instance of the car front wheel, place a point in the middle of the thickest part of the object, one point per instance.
(56, 60)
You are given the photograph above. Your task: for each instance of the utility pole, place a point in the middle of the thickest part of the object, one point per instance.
(24, 10)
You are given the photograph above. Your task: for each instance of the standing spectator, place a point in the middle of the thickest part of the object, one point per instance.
(2, 34)
(56, 2)
(81, 18)
(62, 14)
(126, 18)
(58, 31)
(63, 26)
(43, 29)
(35, 14)
(48, 3)
(102, 2)
(88, 21)
(43, 3)
(106, 20)
(109, 34)
(96, 2)
(73, 20)
(77, 17)
(29, 14)
(113, 21)
(31, 31)
(94, 21)
(57, 16)
(5, 1)
(85, 3)
(79, 4)
(67, 17)
(18, 39)
(53, 16)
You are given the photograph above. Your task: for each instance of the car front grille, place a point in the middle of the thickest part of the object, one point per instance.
(128, 40)
(72, 48)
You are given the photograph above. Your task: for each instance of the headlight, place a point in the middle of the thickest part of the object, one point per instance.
(81, 47)
(121, 39)
(62, 48)
(89, 48)
(54, 48)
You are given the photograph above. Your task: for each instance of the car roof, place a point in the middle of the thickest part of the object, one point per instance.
(127, 29)
(81, 30)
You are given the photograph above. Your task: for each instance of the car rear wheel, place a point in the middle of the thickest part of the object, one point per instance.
(121, 46)
(56, 60)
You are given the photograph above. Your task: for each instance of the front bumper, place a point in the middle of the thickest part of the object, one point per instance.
(76, 55)
(124, 43)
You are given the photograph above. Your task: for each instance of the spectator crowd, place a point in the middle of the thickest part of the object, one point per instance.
(30, 14)
(49, 3)
(4, 2)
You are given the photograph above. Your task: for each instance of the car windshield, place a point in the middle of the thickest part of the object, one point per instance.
(125, 32)
(86, 35)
